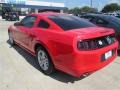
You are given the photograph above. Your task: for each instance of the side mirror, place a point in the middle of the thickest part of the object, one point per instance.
(17, 24)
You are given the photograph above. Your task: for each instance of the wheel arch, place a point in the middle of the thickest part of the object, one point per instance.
(8, 30)
(37, 45)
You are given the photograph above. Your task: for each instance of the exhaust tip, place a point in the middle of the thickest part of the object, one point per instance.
(86, 74)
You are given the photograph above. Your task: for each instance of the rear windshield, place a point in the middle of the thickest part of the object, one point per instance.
(68, 22)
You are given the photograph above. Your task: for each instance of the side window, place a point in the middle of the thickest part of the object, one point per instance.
(43, 24)
(102, 22)
(28, 21)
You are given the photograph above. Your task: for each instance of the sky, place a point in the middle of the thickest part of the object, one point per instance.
(80, 3)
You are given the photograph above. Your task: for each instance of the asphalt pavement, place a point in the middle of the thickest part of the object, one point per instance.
(19, 70)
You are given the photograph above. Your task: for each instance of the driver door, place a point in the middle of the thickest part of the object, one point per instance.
(27, 25)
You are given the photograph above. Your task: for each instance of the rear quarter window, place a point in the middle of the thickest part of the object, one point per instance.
(43, 24)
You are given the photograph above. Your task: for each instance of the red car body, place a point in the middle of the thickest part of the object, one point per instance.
(62, 45)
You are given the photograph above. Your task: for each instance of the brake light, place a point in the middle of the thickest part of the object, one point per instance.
(96, 43)
(86, 45)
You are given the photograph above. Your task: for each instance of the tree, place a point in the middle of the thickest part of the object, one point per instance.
(66, 10)
(86, 9)
(111, 7)
(75, 11)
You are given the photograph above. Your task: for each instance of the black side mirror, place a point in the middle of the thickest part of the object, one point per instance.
(17, 24)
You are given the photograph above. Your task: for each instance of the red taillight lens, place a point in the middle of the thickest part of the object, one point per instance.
(86, 45)
(96, 43)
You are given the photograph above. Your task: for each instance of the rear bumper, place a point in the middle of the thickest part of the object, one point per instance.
(81, 62)
(77, 72)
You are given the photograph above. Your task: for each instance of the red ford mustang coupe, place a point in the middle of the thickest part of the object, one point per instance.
(64, 42)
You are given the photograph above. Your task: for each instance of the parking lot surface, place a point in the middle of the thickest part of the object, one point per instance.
(20, 71)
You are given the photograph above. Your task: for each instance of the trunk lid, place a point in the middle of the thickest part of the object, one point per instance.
(91, 32)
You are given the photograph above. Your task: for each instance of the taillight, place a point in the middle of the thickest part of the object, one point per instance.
(96, 43)
(86, 45)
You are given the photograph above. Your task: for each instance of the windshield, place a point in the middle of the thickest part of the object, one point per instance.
(68, 22)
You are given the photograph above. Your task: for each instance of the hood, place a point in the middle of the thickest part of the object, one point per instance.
(91, 32)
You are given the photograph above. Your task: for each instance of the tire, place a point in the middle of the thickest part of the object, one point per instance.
(11, 39)
(44, 61)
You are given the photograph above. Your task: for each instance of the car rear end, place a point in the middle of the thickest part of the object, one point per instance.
(93, 54)
(93, 47)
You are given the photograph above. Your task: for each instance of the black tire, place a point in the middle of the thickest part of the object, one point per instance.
(50, 68)
(11, 39)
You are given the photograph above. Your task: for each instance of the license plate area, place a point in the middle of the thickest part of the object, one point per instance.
(107, 55)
